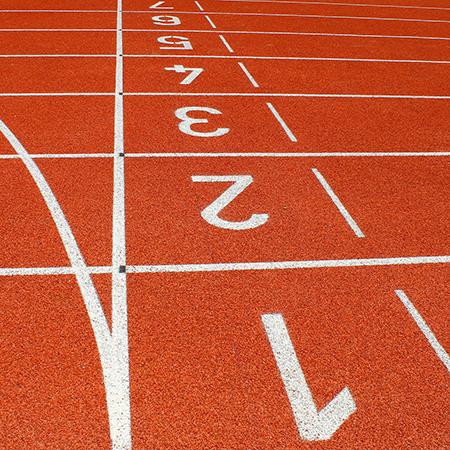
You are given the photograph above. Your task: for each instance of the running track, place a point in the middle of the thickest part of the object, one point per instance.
(224, 224)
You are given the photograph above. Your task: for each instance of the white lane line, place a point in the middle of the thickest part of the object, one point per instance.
(58, 11)
(88, 291)
(312, 424)
(294, 58)
(295, 33)
(281, 33)
(225, 42)
(304, 16)
(275, 58)
(286, 155)
(339, 205)
(289, 265)
(200, 7)
(425, 329)
(281, 94)
(249, 75)
(280, 120)
(231, 155)
(213, 25)
(223, 94)
(30, 271)
(120, 411)
(365, 5)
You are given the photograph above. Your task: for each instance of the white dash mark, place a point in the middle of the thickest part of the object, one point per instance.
(225, 42)
(283, 124)
(210, 21)
(249, 75)
(339, 205)
(425, 329)
(200, 7)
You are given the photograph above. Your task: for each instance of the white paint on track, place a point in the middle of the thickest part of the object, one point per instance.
(233, 155)
(425, 329)
(364, 5)
(249, 75)
(226, 43)
(213, 25)
(88, 291)
(312, 424)
(119, 406)
(304, 16)
(339, 205)
(37, 271)
(289, 265)
(283, 124)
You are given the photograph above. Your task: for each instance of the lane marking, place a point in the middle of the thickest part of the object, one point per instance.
(365, 5)
(210, 21)
(231, 155)
(282, 58)
(288, 265)
(304, 16)
(217, 267)
(37, 271)
(249, 75)
(211, 213)
(291, 58)
(200, 7)
(158, 5)
(289, 33)
(339, 205)
(312, 425)
(88, 291)
(425, 329)
(294, 33)
(283, 124)
(269, 94)
(225, 42)
(120, 410)
(221, 94)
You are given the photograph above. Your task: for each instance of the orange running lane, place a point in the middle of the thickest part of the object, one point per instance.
(214, 239)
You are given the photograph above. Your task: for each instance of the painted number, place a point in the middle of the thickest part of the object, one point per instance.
(212, 211)
(312, 424)
(166, 20)
(175, 43)
(158, 5)
(194, 72)
(186, 122)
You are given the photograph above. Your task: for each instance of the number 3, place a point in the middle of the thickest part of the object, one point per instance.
(186, 122)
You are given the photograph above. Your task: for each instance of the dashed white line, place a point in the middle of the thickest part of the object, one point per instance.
(213, 25)
(425, 329)
(339, 205)
(225, 42)
(249, 75)
(283, 124)
(200, 7)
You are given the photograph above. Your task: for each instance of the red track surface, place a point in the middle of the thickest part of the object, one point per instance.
(333, 120)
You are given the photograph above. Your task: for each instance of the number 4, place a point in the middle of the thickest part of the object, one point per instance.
(195, 72)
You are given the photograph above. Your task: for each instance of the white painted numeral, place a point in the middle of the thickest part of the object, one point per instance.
(312, 424)
(175, 43)
(166, 20)
(211, 212)
(157, 5)
(194, 72)
(186, 122)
